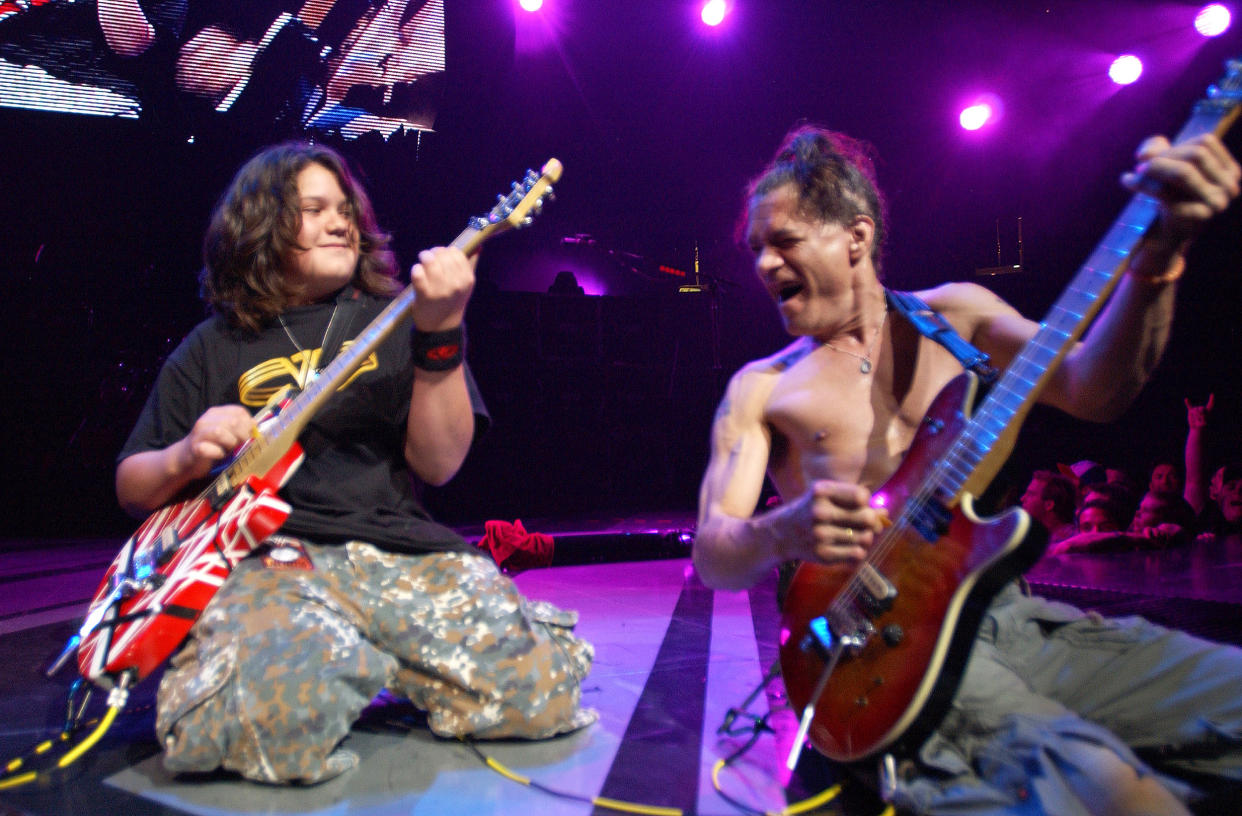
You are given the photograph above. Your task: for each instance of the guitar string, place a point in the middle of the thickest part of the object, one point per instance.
(951, 461)
(918, 501)
(915, 504)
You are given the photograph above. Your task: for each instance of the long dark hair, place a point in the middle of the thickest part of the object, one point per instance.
(255, 226)
(833, 176)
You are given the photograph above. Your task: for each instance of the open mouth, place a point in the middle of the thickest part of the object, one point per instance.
(788, 291)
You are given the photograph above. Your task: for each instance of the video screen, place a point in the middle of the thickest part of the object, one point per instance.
(341, 66)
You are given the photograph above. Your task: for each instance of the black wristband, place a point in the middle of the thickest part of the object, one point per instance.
(440, 350)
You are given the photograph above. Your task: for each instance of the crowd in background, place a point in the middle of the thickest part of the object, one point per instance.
(1090, 506)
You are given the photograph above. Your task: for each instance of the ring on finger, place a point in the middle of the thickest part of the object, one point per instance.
(850, 530)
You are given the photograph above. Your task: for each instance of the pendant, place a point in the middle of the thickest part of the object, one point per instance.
(865, 367)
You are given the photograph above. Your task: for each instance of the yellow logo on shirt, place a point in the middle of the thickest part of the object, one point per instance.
(257, 385)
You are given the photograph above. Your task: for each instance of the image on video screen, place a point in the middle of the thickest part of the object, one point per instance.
(340, 66)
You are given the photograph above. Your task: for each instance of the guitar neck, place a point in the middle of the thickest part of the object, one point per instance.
(990, 435)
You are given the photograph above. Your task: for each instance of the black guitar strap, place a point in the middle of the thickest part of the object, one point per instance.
(931, 324)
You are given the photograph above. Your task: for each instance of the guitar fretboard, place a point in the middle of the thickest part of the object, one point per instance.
(1015, 392)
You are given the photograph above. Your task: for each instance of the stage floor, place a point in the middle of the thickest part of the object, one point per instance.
(672, 659)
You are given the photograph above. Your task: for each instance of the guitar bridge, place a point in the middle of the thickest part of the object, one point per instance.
(851, 629)
(838, 626)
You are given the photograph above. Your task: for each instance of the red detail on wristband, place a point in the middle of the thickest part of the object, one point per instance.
(443, 353)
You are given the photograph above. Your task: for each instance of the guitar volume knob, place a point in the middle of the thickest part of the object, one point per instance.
(893, 634)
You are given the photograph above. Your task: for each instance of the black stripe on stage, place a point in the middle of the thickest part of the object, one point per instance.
(658, 760)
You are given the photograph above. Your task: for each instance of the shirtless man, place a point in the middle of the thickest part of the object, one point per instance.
(831, 416)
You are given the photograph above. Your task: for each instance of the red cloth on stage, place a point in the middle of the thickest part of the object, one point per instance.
(513, 548)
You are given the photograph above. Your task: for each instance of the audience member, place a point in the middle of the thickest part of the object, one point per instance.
(1202, 493)
(1050, 499)
(1120, 497)
(1226, 493)
(1164, 518)
(1084, 473)
(1101, 516)
(1165, 479)
(1198, 421)
(1104, 522)
(1101, 526)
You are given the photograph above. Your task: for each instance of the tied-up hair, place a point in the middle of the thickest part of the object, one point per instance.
(254, 231)
(833, 176)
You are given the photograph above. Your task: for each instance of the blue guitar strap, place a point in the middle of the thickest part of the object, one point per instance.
(931, 324)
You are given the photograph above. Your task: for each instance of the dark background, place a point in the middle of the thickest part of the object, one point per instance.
(602, 405)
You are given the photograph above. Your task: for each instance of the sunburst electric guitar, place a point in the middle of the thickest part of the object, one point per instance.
(872, 654)
(166, 573)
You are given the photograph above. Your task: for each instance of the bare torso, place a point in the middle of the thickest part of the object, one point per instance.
(829, 420)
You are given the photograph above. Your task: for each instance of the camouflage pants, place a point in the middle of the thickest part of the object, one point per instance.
(282, 661)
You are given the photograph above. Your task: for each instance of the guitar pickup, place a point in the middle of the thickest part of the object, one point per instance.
(169, 543)
(931, 519)
(878, 592)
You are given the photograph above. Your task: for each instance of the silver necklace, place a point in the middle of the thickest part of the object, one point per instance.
(865, 365)
(294, 340)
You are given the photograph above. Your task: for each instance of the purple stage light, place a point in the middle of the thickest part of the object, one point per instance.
(1126, 69)
(531, 5)
(1213, 20)
(713, 12)
(976, 116)
(981, 110)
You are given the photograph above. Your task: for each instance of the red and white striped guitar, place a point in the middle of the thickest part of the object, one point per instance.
(167, 571)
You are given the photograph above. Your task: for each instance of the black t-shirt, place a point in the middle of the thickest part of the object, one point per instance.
(353, 483)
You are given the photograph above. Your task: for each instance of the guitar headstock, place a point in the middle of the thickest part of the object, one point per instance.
(1224, 98)
(1231, 83)
(519, 208)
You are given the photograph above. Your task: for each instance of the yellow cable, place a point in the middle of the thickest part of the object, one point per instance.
(17, 780)
(720, 763)
(505, 772)
(815, 801)
(630, 807)
(821, 798)
(599, 801)
(86, 744)
(66, 760)
(18, 762)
